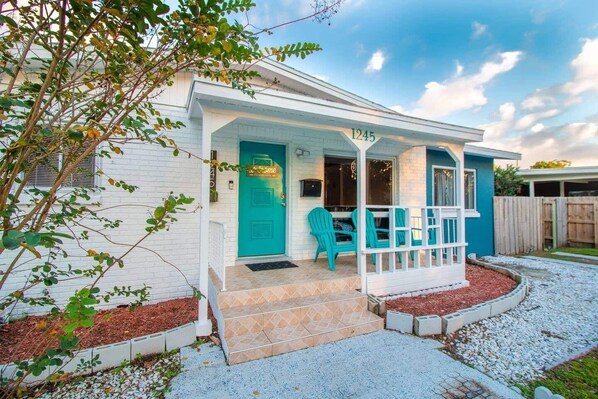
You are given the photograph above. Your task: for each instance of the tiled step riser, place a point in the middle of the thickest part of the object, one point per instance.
(305, 342)
(282, 318)
(284, 292)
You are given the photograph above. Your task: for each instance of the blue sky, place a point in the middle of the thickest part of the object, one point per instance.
(525, 71)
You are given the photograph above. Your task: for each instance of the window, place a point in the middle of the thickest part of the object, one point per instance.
(444, 187)
(340, 183)
(45, 174)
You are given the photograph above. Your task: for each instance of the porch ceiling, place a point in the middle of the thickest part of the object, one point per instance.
(325, 115)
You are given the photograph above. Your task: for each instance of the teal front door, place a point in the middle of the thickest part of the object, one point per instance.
(262, 199)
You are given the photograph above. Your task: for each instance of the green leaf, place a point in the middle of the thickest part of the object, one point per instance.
(87, 323)
(159, 212)
(32, 239)
(12, 240)
(69, 328)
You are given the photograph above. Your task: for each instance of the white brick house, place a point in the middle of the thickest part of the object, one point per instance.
(313, 123)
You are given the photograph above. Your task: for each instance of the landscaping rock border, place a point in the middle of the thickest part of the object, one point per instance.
(113, 355)
(448, 324)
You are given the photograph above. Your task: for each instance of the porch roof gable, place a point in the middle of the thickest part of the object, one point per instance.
(315, 111)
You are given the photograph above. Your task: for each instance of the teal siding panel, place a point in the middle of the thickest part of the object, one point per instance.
(479, 232)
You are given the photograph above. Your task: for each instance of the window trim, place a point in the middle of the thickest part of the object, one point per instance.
(471, 212)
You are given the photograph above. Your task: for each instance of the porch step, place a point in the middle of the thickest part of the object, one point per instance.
(242, 320)
(279, 340)
(257, 296)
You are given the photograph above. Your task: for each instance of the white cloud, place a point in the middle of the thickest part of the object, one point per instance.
(582, 131)
(462, 92)
(531, 119)
(539, 99)
(585, 70)
(501, 127)
(478, 30)
(376, 62)
(537, 128)
(458, 69)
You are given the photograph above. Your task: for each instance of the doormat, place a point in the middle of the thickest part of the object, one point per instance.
(258, 267)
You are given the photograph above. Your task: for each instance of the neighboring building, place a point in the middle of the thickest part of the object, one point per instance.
(301, 128)
(579, 181)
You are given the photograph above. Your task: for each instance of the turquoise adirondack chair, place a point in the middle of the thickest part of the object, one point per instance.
(372, 240)
(322, 228)
(401, 238)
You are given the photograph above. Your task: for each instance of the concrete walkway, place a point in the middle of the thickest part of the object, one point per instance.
(384, 364)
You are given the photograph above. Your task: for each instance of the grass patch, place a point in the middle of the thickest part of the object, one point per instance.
(577, 379)
(551, 255)
(578, 251)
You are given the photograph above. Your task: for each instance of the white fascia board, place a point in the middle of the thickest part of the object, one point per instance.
(561, 174)
(298, 107)
(491, 153)
(302, 77)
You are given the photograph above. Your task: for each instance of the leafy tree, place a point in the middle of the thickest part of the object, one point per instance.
(78, 78)
(554, 164)
(507, 180)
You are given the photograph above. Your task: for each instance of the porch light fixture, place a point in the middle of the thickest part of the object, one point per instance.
(302, 153)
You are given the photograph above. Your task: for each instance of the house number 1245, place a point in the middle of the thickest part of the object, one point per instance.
(358, 134)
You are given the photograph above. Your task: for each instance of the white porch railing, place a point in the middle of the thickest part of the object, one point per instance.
(217, 236)
(436, 258)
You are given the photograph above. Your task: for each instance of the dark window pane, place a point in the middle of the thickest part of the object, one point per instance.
(340, 183)
(379, 187)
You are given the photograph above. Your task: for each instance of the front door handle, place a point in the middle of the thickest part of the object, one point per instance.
(283, 199)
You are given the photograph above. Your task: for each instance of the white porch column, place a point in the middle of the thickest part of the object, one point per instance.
(361, 141)
(532, 192)
(456, 152)
(210, 123)
(361, 225)
(562, 188)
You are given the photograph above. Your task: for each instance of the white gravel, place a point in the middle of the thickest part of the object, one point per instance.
(557, 321)
(139, 381)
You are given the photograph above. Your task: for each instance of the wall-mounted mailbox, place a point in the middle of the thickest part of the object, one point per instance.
(311, 188)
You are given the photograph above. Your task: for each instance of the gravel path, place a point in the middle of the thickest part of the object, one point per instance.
(558, 320)
(147, 380)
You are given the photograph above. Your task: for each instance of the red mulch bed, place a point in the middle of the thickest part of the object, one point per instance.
(484, 285)
(33, 335)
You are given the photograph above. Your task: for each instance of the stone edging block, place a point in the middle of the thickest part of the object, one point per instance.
(180, 336)
(451, 322)
(402, 322)
(427, 325)
(148, 345)
(70, 365)
(113, 355)
(454, 321)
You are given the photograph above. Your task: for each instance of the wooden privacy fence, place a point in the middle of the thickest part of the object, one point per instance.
(523, 224)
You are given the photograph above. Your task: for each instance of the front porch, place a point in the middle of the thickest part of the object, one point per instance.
(271, 312)
(265, 313)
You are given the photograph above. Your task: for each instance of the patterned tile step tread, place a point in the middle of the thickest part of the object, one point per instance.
(275, 341)
(256, 296)
(242, 320)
